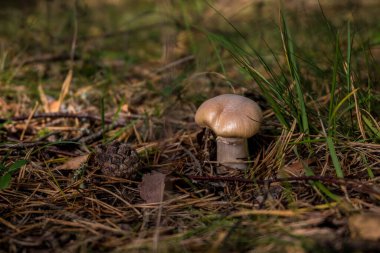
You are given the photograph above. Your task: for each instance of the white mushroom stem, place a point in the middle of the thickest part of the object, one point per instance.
(232, 152)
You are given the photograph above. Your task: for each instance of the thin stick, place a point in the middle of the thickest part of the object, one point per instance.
(57, 115)
(28, 121)
(330, 180)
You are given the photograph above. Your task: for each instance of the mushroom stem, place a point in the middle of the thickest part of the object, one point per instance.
(232, 152)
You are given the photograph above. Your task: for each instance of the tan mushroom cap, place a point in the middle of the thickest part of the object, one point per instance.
(230, 116)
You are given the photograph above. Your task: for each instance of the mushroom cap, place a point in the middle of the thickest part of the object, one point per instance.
(230, 115)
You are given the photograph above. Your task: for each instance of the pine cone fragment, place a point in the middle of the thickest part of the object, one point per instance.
(117, 159)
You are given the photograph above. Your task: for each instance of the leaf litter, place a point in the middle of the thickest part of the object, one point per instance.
(152, 187)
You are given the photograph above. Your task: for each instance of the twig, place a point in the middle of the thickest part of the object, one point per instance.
(175, 63)
(80, 140)
(23, 145)
(28, 121)
(57, 115)
(46, 59)
(359, 186)
(95, 136)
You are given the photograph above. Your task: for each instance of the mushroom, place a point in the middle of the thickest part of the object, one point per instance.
(233, 119)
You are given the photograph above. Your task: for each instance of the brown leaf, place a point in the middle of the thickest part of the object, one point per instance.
(54, 106)
(44, 99)
(73, 164)
(152, 187)
(365, 226)
(4, 106)
(295, 169)
(49, 104)
(64, 90)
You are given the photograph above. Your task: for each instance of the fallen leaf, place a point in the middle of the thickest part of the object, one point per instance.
(152, 187)
(43, 98)
(73, 164)
(4, 106)
(64, 90)
(365, 226)
(54, 106)
(295, 169)
(49, 103)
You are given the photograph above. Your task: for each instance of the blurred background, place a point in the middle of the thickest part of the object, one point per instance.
(160, 52)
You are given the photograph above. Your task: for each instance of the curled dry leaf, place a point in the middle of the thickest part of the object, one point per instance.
(365, 226)
(73, 164)
(295, 169)
(152, 187)
(64, 90)
(53, 105)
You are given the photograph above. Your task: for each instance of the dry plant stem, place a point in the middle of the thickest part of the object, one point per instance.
(56, 115)
(354, 184)
(232, 152)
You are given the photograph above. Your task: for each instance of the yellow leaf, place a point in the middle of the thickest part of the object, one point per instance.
(43, 98)
(73, 164)
(64, 90)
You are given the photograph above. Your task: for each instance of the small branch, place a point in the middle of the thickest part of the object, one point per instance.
(95, 136)
(22, 145)
(47, 59)
(357, 185)
(57, 115)
(175, 63)
(80, 140)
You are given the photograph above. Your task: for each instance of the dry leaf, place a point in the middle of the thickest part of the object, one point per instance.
(64, 90)
(365, 226)
(49, 104)
(73, 164)
(152, 187)
(54, 106)
(295, 169)
(44, 99)
(4, 106)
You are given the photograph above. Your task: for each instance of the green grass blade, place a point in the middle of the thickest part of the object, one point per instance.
(348, 70)
(369, 170)
(333, 88)
(334, 157)
(317, 184)
(349, 48)
(5, 181)
(341, 103)
(371, 126)
(17, 165)
(269, 89)
(293, 67)
(102, 114)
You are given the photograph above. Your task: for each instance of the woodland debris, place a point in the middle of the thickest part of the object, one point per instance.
(152, 187)
(365, 226)
(116, 159)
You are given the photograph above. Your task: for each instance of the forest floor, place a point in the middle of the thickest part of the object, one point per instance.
(99, 151)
